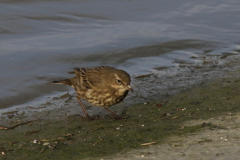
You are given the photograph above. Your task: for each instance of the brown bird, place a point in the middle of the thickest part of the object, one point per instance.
(101, 86)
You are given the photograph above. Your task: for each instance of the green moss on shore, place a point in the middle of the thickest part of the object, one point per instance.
(74, 137)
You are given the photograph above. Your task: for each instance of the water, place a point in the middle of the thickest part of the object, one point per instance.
(40, 41)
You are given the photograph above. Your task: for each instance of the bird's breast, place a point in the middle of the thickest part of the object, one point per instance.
(104, 98)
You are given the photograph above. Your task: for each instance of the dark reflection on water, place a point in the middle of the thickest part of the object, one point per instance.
(41, 41)
(148, 51)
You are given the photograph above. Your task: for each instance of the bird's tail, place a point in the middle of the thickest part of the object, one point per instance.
(65, 81)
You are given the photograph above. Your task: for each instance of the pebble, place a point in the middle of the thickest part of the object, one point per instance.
(46, 143)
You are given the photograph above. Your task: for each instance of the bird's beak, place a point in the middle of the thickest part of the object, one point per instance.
(130, 88)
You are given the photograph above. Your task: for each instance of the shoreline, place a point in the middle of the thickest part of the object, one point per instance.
(155, 85)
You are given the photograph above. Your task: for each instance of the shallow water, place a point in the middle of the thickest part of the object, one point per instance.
(41, 41)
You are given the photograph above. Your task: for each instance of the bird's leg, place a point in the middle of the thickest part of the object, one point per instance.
(114, 114)
(84, 110)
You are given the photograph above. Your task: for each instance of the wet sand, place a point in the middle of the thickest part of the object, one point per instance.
(200, 123)
(221, 141)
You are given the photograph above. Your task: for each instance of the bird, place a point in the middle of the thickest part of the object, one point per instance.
(101, 86)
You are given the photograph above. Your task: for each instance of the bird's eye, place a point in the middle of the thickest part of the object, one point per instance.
(119, 81)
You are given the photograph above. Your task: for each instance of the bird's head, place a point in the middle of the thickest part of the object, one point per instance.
(122, 81)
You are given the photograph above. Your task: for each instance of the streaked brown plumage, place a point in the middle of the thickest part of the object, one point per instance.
(101, 86)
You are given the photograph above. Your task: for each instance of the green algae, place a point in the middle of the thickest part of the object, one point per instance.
(74, 137)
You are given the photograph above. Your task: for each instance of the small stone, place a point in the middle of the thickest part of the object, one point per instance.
(46, 143)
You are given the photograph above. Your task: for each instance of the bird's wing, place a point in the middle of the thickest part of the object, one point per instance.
(87, 78)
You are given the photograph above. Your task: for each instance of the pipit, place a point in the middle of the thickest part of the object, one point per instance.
(101, 86)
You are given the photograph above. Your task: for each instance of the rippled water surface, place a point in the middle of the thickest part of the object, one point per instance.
(41, 41)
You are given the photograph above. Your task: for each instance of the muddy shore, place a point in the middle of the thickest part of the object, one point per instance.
(205, 118)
